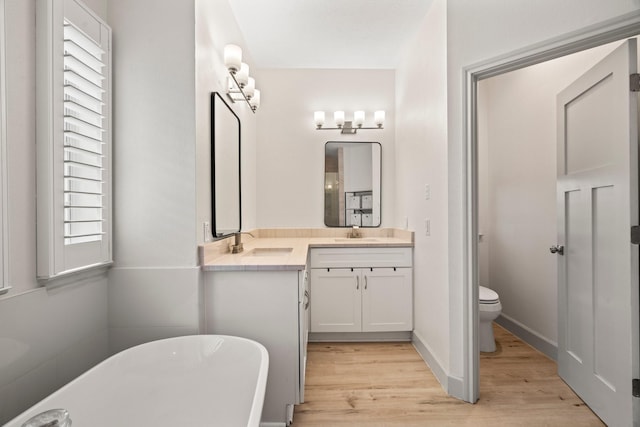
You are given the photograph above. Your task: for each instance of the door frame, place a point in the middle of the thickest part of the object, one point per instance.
(619, 28)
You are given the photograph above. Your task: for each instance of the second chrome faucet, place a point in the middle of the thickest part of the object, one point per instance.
(238, 247)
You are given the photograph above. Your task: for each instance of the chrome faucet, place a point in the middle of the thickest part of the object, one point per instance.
(354, 233)
(238, 247)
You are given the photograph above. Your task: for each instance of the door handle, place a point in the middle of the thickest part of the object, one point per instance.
(559, 249)
(357, 282)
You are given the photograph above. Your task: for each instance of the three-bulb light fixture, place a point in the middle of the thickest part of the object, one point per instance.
(346, 126)
(240, 86)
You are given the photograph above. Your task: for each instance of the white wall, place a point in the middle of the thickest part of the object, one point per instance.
(154, 285)
(215, 28)
(421, 150)
(162, 137)
(517, 130)
(358, 174)
(479, 31)
(484, 165)
(47, 335)
(290, 151)
(154, 133)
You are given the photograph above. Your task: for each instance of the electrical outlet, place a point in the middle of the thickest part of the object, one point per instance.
(206, 228)
(427, 191)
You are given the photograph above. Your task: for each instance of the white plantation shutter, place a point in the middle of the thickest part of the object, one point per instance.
(74, 142)
(83, 137)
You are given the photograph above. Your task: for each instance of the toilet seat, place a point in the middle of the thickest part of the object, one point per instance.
(488, 296)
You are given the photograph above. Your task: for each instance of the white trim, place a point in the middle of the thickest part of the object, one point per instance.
(73, 276)
(360, 336)
(471, 346)
(54, 257)
(434, 364)
(4, 212)
(591, 36)
(529, 336)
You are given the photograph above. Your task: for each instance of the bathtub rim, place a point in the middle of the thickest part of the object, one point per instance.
(257, 403)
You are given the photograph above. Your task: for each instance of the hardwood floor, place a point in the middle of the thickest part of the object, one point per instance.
(388, 384)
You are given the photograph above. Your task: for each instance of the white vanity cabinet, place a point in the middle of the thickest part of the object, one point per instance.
(361, 290)
(270, 307)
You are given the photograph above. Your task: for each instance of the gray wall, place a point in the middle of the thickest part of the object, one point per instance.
(48, 336)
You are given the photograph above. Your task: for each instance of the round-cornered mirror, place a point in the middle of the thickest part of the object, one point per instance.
(225, 168)
(352, 184)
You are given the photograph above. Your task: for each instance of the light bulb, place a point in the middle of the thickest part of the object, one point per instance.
(318, 117)
(358, 118)
(232, 57)
(242, 76)
(379, 118)
(255, 100)
(250, 88)
(338, 116)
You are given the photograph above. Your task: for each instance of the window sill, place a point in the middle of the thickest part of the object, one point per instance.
(73, 276)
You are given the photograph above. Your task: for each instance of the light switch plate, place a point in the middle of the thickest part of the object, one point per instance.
(206, 228)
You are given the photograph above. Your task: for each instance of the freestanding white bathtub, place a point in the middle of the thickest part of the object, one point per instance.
(190, 381)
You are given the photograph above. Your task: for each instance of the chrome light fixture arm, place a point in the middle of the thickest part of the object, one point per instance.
(239, 85)
(235, 89)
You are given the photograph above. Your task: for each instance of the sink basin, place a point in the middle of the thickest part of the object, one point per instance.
(268, 252)
(357, 239)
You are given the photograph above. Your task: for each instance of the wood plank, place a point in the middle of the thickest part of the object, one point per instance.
(388, 384)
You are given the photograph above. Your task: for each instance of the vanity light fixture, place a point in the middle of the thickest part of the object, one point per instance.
(347, 126)
(240, 87)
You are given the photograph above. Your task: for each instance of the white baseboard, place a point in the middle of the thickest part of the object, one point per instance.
(452, 385)
(535, 340)
(359, 336)
(456, 387)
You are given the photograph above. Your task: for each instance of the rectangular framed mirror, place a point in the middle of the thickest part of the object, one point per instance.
(225, 169)
(352, 176)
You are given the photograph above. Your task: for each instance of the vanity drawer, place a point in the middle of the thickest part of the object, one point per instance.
(361, 257)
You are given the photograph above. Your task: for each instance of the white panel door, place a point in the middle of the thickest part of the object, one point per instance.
(598, 267)
(387, 300)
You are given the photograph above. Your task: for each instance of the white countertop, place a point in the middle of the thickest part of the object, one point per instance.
(215, 256)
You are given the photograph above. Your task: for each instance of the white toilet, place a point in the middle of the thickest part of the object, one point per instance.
(490, 309)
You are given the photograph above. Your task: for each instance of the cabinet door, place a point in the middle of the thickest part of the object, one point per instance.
(336, 300)
(387, 299)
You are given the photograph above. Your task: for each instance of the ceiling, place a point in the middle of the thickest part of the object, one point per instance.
(353, 34)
